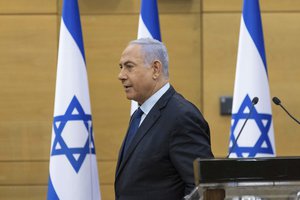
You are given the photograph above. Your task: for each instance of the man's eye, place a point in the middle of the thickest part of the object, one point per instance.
(129, 66)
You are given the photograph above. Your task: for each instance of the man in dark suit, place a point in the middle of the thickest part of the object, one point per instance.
(157, 162)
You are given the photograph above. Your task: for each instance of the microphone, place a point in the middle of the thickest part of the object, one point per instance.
(254, 102)
(278, 103)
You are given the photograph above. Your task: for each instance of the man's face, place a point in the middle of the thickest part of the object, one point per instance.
(135, 76)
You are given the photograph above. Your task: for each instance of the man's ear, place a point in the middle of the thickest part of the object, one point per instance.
(157, 69)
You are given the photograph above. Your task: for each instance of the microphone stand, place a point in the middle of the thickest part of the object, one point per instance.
(278, 103)
(254, 102)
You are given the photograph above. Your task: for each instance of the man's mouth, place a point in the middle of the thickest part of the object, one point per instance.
(127, 86)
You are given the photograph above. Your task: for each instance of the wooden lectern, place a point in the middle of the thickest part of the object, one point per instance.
(247, 178)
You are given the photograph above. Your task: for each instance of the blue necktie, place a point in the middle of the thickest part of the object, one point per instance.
(133, 127)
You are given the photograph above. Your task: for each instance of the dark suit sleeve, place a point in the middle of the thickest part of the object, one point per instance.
(189, 140)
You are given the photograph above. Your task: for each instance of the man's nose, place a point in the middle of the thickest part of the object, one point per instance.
(122, 74)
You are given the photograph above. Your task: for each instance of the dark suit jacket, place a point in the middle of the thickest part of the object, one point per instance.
(158, 164)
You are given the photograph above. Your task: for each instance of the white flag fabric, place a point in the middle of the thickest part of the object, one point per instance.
(148, 28)
(251, 80)
(73, 173)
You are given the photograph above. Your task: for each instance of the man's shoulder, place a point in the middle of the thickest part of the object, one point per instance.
(176, 102)
(181, 103)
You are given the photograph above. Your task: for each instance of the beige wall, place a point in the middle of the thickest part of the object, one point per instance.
(202, 38)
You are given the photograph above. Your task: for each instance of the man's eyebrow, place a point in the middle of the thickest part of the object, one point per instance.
(127, 62)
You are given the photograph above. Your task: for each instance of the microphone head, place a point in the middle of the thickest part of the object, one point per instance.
(254, 100)
(276, 101)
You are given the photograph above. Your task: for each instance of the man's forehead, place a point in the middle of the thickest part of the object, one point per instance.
(132, 50)
(132, 47)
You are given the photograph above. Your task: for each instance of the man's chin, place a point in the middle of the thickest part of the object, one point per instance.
(129, 97)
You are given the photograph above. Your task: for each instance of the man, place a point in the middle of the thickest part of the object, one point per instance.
(157, 163)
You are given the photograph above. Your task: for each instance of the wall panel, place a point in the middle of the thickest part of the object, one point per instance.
(282, 51)
(25, 6)
(133, 6)
(28, 62)
(265, 5)
(25, 140)
(183, 42)
(38, 192)
(37, 172)
(220, 40)
(23, 192)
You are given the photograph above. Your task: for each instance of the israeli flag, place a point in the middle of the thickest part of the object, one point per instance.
(251, 80)
(73, 173)
(148, 28)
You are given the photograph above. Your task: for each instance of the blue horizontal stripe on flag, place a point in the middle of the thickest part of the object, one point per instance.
(149, 14)
(71, 18)
(252, 19)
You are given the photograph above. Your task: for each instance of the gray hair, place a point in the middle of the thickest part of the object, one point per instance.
(154, 50)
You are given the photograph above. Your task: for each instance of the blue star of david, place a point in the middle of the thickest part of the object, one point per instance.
(59, 123)
(264, 129)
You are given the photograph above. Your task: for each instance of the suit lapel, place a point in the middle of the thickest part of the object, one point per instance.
(148, 122)
(122, 148)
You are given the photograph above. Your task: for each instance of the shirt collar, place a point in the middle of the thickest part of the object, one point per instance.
(149, 103)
